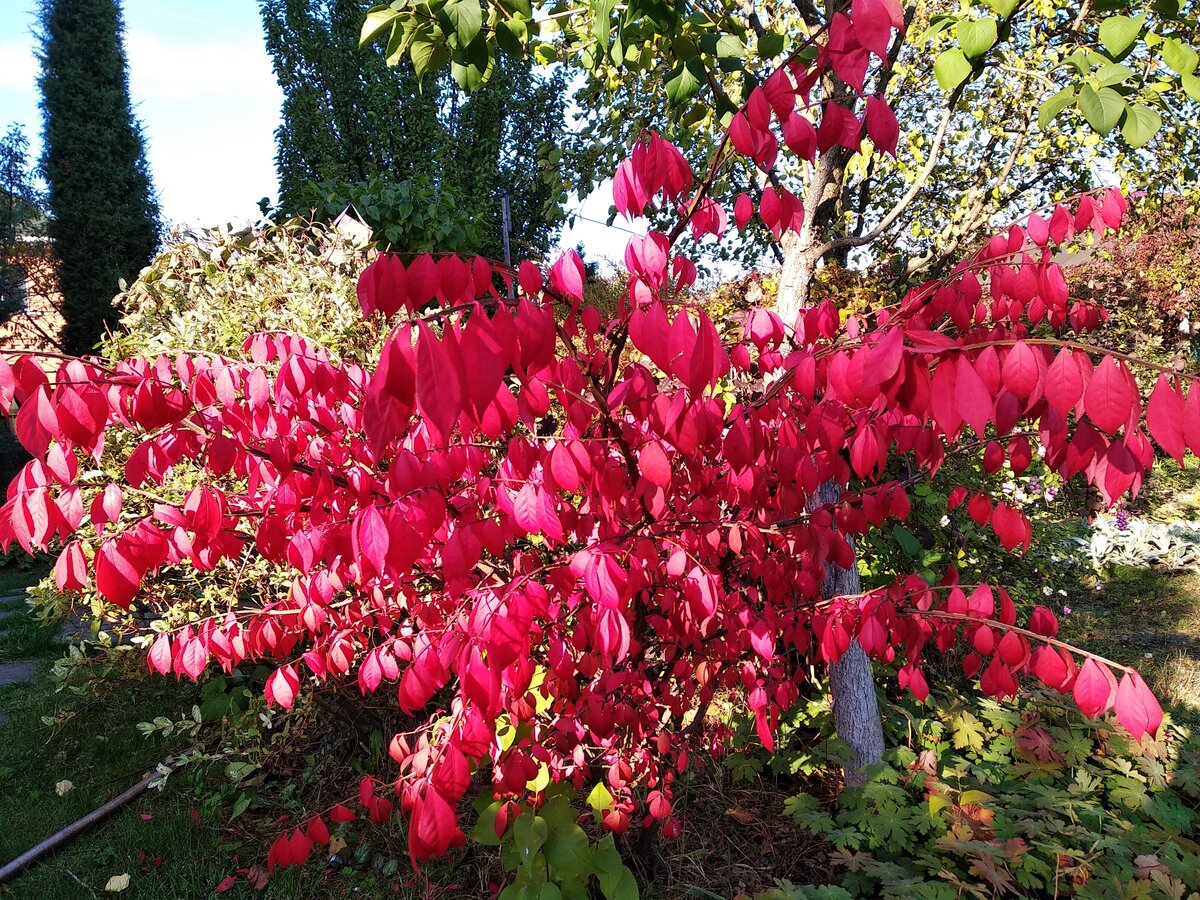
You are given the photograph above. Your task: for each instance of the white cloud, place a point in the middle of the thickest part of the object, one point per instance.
(209, 110)
(19, 71)
(183, 70)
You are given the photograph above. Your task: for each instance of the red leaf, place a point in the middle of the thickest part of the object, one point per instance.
(281, 687)
(118, 578)
(1137, 708)
(70, 572)
(1111, 398)
(654, 465)
(1164, 418)
(971, 398)
(658, 804)
(743, 210)
(318, 833)
(567, 275)
(439, 382)
(882, 127)
(1022, 370)
(1011, 526)
(160, 655)
(341, 813)
(1048, 665)
(1064, 382)
(433, 829)
(226, 883)
(1095, 688)
(530, 277)
(371, 539)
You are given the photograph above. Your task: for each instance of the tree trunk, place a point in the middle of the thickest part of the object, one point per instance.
(855, 708)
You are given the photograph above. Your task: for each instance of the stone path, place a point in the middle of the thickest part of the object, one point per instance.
(11, 607)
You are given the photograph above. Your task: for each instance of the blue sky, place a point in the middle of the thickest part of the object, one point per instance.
(202, 86)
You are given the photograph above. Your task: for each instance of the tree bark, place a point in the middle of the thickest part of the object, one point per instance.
(851, 682)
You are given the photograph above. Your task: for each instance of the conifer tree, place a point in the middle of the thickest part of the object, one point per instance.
(104, 215)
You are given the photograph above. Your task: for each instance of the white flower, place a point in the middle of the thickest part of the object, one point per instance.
(945, 520)
(1047, 591)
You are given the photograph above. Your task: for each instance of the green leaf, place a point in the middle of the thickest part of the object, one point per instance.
(378, 18)
(484, 831)
(976, 36)
(545, 54)
(567, 851)
(1191, 86)
(909, 544)
(1102, 108)
(770, 45)
(1002, 8)
(466, 18)
(685, 80)
(1114, 73)
(472, 67)
(512, 35)
(1117, 33)
(1141, 124)
(1179, 56)
(529, 833)
(951, 69)
(729, 46)
(1050, 109)
(600, 799)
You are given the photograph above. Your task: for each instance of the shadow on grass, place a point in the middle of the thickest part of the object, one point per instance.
(1149, 619)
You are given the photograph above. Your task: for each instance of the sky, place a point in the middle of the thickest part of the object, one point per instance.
(202, 86)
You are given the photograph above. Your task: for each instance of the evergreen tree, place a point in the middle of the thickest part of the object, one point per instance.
(104, 216)
(350, 122)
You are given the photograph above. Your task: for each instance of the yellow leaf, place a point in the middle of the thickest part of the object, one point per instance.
(62, 787)
(336, 845)
(117, 883)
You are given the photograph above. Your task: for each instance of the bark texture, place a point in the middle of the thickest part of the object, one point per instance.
(851, 681)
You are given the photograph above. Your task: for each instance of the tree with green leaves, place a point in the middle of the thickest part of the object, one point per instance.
(22, 221)
(104, 215)
(403, 145)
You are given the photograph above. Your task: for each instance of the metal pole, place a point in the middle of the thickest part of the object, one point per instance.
(505, 228)
(56, 840)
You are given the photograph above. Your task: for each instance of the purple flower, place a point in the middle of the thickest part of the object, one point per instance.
(1122, 519)
(1066, 610)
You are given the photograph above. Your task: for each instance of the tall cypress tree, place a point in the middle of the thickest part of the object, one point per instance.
(104, 216)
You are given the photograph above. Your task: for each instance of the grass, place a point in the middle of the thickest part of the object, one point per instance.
(1149, 619)
(22, 636)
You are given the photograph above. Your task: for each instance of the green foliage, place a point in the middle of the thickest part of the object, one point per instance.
(353, 125)
(104, 217)
(21, 217)
(551, 856)
(209, 290)
(411, 216)
(1019, 799)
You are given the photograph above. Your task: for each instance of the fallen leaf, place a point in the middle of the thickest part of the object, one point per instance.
(336, 845)
(258, 877)
(739, 815)
(117, 883)
(226, 883)
(62, 787)
(146, 817)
